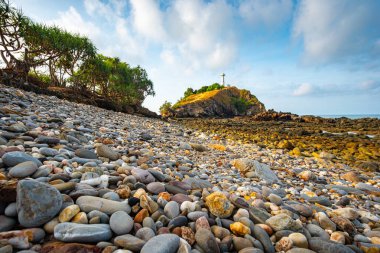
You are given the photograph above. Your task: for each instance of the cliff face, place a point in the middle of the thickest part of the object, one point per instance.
(227, 102)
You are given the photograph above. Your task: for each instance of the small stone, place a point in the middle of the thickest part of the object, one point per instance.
(206, 240)
(84, 233)
(141, 215)
(68, 213)
(299, 240)
(85, 153)
(338, 237)
(202, 222)
(107, 152)
(121, 223)
(275, 199)
(155, 187)
(48, 152)
(320, 245)
(263, 237)
(90, 203)
(129, 242)
(145, 233)
(220, 232)
(198, 147)
(241, 243)
(147, 203)
(325, 222)
(283, 222)
(6, 223)
(143, 175)
(351, 177)
(165, 243)
(188, 234)
(347, 212)
(59, 247)
(344, 224)
(171, 209)
(239, 228)
(219, 205)
(80, 217)
(11, 159)
(306, 175)
(24, 169)
(317, 231)
(284, 244)
(50, 225)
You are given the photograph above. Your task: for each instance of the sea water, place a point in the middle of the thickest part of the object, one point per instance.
(352, 116)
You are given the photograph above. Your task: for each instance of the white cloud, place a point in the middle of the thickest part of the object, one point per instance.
(202, 33)
(72, 21)
(222, 55)
(337, 30)
(147, 19)
(263, 12)
(303, 90)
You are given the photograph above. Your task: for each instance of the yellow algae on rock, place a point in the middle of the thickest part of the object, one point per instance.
(239, 228)
(219, 205)
(68, 213)
(218, 147)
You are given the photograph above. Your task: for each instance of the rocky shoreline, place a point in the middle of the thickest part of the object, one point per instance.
(77, 178)
(354, 142)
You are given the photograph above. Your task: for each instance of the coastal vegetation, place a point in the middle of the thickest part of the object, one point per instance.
(56, 60)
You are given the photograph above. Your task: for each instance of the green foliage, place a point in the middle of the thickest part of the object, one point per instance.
(67, 59)
(240, 104)
(110, 77)
(214, 86)
(165, 109)
(188, 92)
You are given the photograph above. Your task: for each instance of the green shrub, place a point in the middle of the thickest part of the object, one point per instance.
(240, 104)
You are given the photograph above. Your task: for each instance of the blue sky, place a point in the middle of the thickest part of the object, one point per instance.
(305, 56)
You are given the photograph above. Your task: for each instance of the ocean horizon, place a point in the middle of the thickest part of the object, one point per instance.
(350, 116)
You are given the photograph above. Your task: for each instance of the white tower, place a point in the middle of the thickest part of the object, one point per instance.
(223, 75)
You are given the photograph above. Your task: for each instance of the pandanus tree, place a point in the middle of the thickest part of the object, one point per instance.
(53, 54)
(59, 51)
(12, 22)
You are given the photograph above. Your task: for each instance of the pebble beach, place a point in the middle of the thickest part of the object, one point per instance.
(78, 178)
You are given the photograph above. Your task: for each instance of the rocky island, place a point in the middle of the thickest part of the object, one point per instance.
(215, 101)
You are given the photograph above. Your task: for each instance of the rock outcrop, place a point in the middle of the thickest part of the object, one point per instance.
(226, 102)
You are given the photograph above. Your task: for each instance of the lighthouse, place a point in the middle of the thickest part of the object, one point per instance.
(223, 75)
